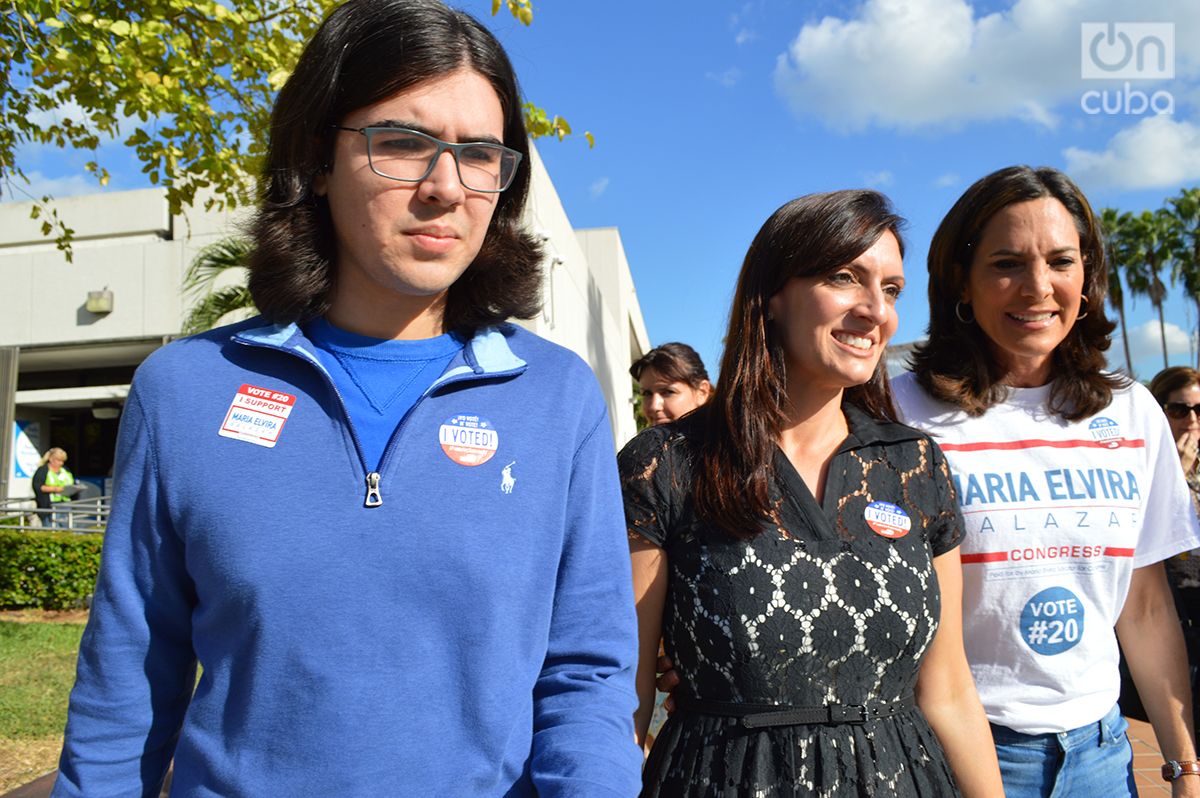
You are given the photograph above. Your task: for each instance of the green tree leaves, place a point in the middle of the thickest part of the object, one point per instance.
(187, 85)
(521, 9)
(1154, 250)
(1114, 226)
(1185, 243)
(200, 284)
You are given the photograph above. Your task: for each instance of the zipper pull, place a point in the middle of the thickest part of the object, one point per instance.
(373, 497)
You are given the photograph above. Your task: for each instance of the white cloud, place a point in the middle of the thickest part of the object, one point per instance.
(599, 187)
(919, 63)
(1145, 347)
(1157, 152)
(69, 110)
(947, 180)
(57, 187)
(72, 110)
(728, 78)
(740, 21)
(738, 16)
(878, 179)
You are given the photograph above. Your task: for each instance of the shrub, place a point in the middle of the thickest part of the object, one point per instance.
(49, 570)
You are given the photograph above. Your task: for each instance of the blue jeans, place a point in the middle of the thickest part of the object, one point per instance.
(1094, 760)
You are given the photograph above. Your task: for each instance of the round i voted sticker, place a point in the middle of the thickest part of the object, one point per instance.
(469, 440)
(1105, 432)
(887, 520)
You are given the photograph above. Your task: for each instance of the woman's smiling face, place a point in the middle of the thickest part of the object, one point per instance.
(664, 399)
(1025, 286)
(835, 326)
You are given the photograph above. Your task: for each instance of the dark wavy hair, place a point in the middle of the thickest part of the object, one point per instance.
(955, 364)
(810, 236)
(675, 361)
(1172, 379)
(364, 52)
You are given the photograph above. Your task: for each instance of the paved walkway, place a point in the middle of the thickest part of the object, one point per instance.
(38, 788)
(1147, 761)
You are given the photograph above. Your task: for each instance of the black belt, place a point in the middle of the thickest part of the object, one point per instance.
(759, 716)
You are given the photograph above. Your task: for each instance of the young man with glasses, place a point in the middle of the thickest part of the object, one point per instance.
(384, 522)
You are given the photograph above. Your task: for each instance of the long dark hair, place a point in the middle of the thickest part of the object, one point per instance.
(955, 364)
(813, 235)
(675, 361)
(366, 51)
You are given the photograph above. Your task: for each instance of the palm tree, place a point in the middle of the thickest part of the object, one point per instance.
(1185, 223)
(1114, 224)
(1147, 251)
(199, 282)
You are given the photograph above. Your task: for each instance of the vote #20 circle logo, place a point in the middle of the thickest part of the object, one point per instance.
(1052, 621)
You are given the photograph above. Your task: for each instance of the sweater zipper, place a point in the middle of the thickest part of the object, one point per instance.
(374, 497)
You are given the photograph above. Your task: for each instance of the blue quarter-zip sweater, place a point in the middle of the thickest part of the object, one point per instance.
(458, 623)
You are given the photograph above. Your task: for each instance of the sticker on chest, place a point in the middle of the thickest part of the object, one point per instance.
(887, 520)
(257, 415)
(1105, 431)
(469, 440)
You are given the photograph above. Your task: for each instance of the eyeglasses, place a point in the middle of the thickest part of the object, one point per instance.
(1180, 410)
(398, 153)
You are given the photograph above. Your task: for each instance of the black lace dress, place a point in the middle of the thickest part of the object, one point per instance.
(817, 609)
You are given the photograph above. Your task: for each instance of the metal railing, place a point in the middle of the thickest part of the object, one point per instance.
(87, 515)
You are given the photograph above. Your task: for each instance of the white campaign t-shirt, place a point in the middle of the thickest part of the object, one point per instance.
(1058, 515)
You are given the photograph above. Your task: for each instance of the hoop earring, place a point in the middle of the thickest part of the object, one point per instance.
(958, 306)
(1084, 314)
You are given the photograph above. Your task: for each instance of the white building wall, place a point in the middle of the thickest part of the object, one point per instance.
(126, 242)
(589, 301)
(621, 317)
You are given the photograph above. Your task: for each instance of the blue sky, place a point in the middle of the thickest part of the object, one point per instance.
(708, 116)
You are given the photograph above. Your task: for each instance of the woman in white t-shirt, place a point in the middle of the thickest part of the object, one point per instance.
(1068, 479)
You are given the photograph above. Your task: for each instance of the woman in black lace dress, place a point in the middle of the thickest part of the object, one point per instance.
(796, 547)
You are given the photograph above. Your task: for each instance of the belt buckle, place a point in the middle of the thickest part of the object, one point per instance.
(849, 713)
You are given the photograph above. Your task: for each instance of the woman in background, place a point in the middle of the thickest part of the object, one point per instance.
(52, 484)
(673, 382)
(797, 548)
(1177, 390)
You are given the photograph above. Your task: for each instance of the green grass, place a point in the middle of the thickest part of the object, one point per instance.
(37, 669)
